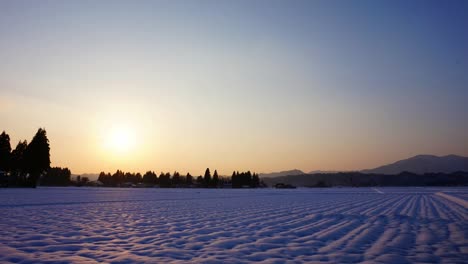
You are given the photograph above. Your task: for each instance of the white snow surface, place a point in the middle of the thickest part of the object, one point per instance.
(331, 225)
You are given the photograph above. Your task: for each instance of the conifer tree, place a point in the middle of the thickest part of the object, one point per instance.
(189, 179)
(5, 152)
(37, 157)
(207, 178)
(215, 181)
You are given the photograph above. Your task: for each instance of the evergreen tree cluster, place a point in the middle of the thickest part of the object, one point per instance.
(245, 179)
(209, 181)
(56, 176)
(81, 181)
(27, 163)
(175, 180)
(150, 178)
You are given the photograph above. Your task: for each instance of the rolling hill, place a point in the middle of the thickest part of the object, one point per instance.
(281, 173)
(421, 164)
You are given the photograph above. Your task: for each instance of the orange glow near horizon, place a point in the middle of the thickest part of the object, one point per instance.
(121, 139)
(165, 86)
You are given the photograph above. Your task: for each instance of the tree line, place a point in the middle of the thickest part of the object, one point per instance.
(176, 180)
(28, 162)
(29, 165)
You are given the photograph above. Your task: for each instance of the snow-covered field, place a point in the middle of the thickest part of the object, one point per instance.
(338, 225)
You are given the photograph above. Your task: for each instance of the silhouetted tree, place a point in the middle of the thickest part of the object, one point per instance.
(118, 178)
(132, 178)
(255, 181)
(84, 180)
(5, 152)
(102, 176)
(18, 164)
(176, 178)
(200, 180)
(235, 181)
(106, 179)
(150, 178)
(165, 180)
(207, 177)
(56, 177)
(189, 179)
(244, 179)
(138, 177)
(37, 157)
(81, 181)
(215, 180)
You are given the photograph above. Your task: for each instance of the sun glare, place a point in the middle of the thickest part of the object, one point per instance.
(121, 139)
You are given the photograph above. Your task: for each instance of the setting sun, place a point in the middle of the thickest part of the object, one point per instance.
(121, 139)
(234, 131)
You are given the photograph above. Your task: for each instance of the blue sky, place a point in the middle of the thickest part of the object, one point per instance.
(260, 85)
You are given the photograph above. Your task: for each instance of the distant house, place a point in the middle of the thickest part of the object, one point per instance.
(128, 185)
(284, 186)
(96, 183)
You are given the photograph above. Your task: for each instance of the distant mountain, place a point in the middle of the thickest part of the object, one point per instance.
(324, 172)
(281, 173)
(424, 164)
(359, 179)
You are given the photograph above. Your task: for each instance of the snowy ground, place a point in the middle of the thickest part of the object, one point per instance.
(339, 225)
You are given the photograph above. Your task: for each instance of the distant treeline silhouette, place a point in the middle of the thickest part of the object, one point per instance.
(166, 180)
(27, 163)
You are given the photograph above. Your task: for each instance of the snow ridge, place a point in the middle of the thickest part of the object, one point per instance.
(339, 225)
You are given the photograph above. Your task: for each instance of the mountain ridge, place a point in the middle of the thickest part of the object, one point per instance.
(281, 173)
(424, 163)
(418, 164)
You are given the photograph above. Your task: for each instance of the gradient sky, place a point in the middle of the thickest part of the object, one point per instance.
(236, 85)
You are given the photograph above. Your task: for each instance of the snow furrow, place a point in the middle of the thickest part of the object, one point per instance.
(342, 225)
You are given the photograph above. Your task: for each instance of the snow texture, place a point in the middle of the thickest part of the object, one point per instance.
(335, 225)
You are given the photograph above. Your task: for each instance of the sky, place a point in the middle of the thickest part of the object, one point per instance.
(235, 85)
